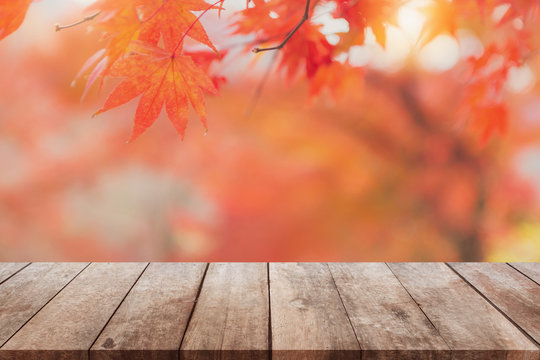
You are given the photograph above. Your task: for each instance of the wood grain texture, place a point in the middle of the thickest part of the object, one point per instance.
(532, 270)
(308, 317)
(8, 269)
(191, 311)
(230, 320)
(68, 325)
(386, 320)
(510, 291)
(469, 324)
(29, 290)
(152, 319)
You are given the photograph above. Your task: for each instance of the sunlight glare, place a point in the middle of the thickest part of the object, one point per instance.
(469, 44)
(331, 27)
(520, 79)
(441, 54)
(411, 20)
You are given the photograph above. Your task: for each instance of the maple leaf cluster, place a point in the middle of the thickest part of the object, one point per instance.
(144, 45)
(507, 41)
(384, 172)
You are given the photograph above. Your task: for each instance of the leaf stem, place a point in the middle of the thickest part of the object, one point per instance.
(83, 20)
(289, 36)
(193, 24)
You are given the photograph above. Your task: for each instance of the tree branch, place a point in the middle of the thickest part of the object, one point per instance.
(293, 31)
(83, 20)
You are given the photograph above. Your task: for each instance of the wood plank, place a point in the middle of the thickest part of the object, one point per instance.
(510, 291)
(29, 290)
(307, 315)
(386, 320)
(68, 325)
(8, 269)
(230, 320)
(532, 270)
(467, 322)
(152, 319)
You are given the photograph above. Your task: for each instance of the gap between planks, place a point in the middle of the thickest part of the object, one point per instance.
(45, 304)
(118, 307)
(344, 307)
(269, 302)
(193, 308)
(418, 305)
(516, 325)
(524, 274)
(269, 312)
(13, 274)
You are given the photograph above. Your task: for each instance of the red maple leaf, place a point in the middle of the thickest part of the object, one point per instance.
(162, 79)
(167, 76)
(376, 14)
(172, 20)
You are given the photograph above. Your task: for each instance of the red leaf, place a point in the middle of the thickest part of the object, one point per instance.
(171, 20)
(162, 80)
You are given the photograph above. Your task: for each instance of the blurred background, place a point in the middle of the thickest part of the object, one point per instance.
(387, 172)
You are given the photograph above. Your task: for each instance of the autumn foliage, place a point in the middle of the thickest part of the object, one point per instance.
(145, 46)
(417, 165)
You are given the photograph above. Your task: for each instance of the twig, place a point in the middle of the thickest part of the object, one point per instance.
(278, 47)
(193, 24)
(83, 20)
(258, 91)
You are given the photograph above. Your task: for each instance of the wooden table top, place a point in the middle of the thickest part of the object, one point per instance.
(269, 311)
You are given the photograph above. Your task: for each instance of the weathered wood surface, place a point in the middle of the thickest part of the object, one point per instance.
(198, 311)
(512, 293)
(154, 315)
(9, 269)
(385, 317)
(531, 270)
(465, 320)
(22, 296)
(230, 320)
(309, 320)
(69, 324)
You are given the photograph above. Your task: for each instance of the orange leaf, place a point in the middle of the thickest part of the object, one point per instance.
(12, 13)
(173, 81)
(119, 23)
(441, 18)
(491, 118)
(376, 14)
(171, 20)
